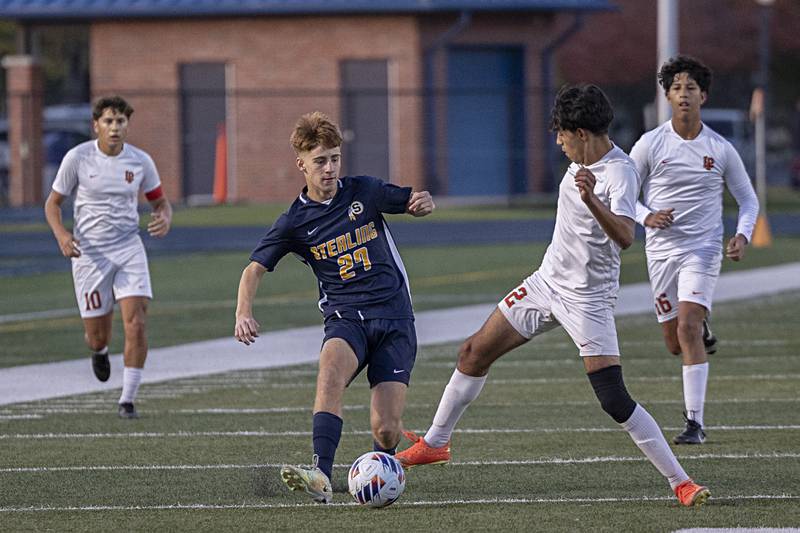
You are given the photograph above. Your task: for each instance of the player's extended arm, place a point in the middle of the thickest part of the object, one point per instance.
(420, 204)
(52, 212)
(161, 217)
(246, 328)
(741, 189)
(619, 229)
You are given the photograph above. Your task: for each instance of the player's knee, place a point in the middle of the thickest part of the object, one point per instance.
(689, 330)
(610, 390)
(470, 358)
(673, 346)
(135, 324)
(97, 340)
(386, 434)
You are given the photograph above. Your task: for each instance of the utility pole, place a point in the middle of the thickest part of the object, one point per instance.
(759, 106)
(667, 48)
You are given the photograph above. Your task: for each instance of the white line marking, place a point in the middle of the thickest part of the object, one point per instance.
(518, 462)
(194, 434)
(38, 315)
(92, 408)
(420, 503)
(546, 381)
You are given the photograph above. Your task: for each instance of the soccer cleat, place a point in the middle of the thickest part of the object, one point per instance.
(709, 340)
(693, 434)
(101, 366)
(127, 410)
(420, 453)
(691, 494)
(312, 480)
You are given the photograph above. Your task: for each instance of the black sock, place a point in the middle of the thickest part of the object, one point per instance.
(327, 430)
(377, 447)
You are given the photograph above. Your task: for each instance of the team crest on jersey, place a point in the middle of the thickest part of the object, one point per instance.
(356, 208)
(129, 176)
(708, 162)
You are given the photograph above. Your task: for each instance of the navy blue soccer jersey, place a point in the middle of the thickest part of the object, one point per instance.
(347, 244)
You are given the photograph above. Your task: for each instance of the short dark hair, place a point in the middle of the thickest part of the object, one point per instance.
(583, 106)
(115, 102)
(696, 70)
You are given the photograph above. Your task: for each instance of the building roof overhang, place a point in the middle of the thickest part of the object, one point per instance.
(88, 10)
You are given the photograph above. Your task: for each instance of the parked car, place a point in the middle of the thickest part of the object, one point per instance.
(64, 126)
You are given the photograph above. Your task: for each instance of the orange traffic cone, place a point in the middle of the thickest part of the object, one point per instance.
(221, 166)
(762, 236)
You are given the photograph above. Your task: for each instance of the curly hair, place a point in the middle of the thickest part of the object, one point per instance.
(696, 70)
(581, 106)
(117, 103)
(315, 129)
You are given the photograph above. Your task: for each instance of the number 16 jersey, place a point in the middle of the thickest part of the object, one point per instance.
(347, 244)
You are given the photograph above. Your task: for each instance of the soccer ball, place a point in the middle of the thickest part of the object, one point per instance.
(376, 479)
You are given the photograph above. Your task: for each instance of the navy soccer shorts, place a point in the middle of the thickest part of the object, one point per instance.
(387, 348)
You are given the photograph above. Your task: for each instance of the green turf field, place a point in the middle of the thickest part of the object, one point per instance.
(534, 452)
(195, 295)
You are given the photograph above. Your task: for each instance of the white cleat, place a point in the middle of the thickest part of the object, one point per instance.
(312, 480)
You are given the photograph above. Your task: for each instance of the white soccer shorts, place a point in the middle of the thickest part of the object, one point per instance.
(687, 277)
(534, 307)
(102, 278)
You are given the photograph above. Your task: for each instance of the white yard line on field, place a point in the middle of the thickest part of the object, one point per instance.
(510, 462)
(25, 411)
(280, 434)
(402, 503)
(301, 345)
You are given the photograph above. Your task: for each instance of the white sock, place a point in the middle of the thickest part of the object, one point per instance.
(695, 378)
(131, 377)
(102, 351)
(645, 432)
(458, 394)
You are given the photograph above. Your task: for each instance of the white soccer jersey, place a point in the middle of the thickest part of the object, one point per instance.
(688, 175)
(582, 260)
(107, 196)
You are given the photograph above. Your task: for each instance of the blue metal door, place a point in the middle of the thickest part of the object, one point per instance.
(485, 122)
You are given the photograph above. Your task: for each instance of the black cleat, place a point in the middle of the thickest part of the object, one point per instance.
(693, 434)
(709, 340)
(127, 410)
(101, 366)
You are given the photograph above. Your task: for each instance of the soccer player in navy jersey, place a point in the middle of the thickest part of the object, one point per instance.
(336, 226)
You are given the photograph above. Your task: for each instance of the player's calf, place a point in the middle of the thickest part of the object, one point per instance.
(610, 390)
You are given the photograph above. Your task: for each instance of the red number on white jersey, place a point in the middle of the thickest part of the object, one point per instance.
(518, 294)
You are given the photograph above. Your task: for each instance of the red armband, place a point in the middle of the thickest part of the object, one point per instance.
(154, 195)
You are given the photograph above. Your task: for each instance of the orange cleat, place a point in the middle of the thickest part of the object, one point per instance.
(421, 454)
(691, 494)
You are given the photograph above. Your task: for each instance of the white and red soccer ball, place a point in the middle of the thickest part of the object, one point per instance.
(376, 479)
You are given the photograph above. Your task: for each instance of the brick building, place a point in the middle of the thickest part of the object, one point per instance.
(443, 94)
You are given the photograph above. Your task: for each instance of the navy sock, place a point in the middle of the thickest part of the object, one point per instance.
(327, 430)
(377, 447)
